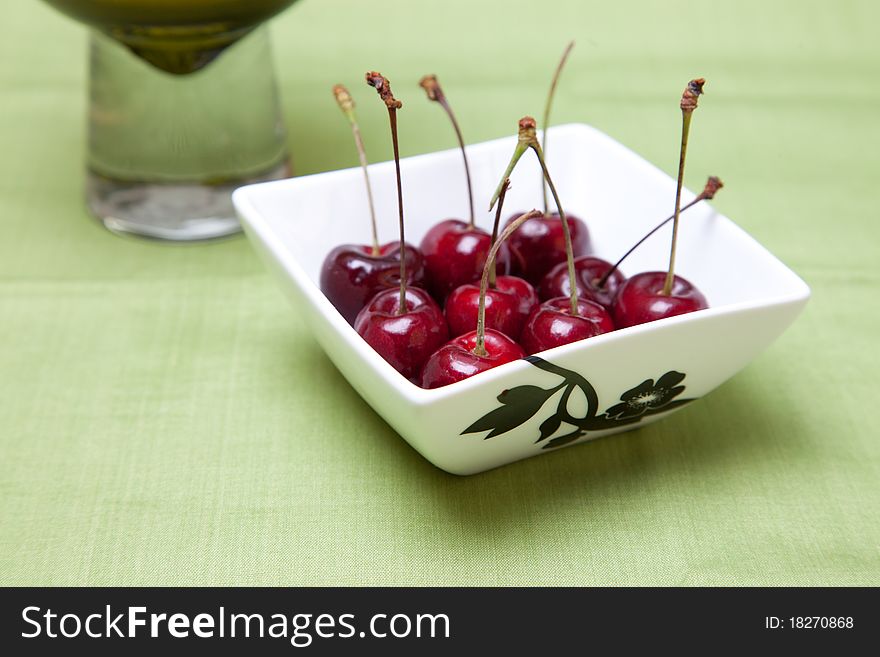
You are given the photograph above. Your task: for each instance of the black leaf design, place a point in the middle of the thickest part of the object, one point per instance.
(520, 404)
(527, 395)
(549, 427)
(564, 440)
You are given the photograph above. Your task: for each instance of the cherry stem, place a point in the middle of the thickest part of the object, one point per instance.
(569, 251)
(517, 154)
(504, 187)
(713, 184)
(392, 115)
(383, 87)
(546, 122)
(526, 138)
(346, 104)
(480, 346)
(688, 104)
(432, 88)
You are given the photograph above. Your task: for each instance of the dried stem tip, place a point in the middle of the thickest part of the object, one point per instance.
(526, 139)
(343, 98)
(713, 184)
(381, 84)
(527, 127)
(692, 92)
(432, 87)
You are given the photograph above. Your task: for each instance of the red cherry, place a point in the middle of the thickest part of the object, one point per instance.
(454, 254)
(507, 306)
(539, 244)
(588, 271)
(551, 324)
(456, 360)
(646, 297)
(641, 299)
(405, 340)
(351, 275)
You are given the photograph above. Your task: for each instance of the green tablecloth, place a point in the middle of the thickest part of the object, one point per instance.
(166, 418)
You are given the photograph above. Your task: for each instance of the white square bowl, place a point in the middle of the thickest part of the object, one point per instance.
(571, 394)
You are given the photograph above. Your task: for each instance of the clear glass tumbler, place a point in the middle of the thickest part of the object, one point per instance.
(183, 108)
(165, 151)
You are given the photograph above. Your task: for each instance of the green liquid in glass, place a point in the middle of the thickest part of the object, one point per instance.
(177, 36)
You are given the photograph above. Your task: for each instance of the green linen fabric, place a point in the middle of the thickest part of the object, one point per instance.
(166, 418)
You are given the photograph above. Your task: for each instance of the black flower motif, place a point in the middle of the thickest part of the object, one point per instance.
(647, 396)
(521, 404)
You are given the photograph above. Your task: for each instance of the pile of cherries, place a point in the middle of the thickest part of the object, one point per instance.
(466, 300)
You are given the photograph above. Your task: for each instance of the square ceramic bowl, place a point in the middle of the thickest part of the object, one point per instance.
(568, 395)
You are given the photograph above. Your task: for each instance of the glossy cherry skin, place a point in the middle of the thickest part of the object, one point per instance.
(455, 254)
(551, 324)
(456, 360)
(587, 272)
(351, 275)
(508, 306)
(405, 340)
(539, 244)
(641, 299)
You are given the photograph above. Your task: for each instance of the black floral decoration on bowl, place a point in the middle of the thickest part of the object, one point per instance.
(647, 396)
(520, 404)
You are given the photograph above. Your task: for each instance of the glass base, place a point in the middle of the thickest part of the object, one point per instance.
(169, 211)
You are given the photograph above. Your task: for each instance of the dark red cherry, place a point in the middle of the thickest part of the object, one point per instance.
(351, 275)
(641, 299)
(507, 306)
(454, 254)
(551, 324)
(539, 244)
(405, 340)
(588, 272)
(456, 360)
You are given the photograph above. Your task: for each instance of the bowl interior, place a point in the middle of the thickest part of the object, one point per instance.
(617, 193)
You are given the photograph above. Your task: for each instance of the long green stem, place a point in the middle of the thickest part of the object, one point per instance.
(688, 104)
(526, 138)
(670, 274)
(713, 184)
(569, 252)
(346, 104)
(480, 346)
(383, 87)
(504, 187)
(547, 105)
(392, 115)
(363, 158)
(432, 87)
(467, 169)
(517, 154)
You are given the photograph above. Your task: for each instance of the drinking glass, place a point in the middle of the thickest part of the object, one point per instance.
(183, 108)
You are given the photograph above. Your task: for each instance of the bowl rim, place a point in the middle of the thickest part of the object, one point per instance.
(254, 220)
